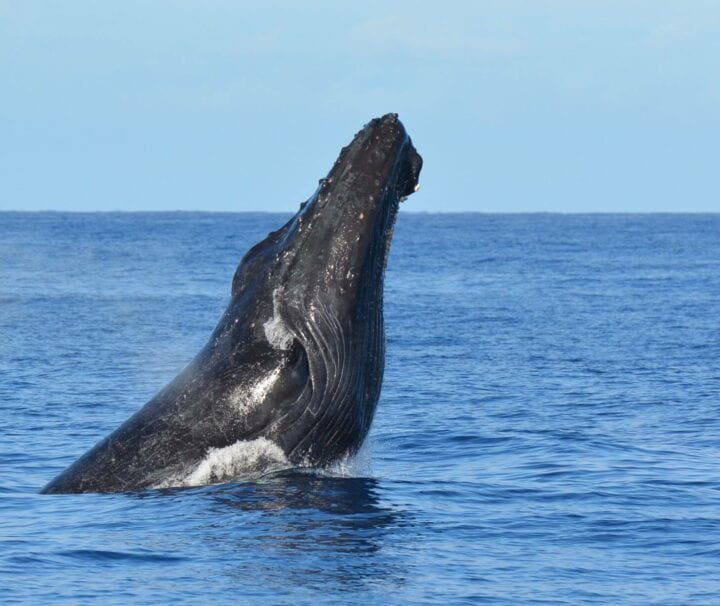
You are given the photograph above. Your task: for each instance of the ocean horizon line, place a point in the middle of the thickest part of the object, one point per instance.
(404, 211)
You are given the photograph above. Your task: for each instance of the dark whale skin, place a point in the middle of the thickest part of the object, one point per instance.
(296, 361)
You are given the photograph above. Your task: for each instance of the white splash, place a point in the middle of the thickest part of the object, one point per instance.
(358, 465)
(243, 459)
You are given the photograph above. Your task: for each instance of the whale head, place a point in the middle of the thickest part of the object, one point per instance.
(307, 302)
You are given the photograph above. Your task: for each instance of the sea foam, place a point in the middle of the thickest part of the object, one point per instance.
(243, 459)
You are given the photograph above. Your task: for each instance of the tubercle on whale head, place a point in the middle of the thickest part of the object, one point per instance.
(341, 233)
(381, 144)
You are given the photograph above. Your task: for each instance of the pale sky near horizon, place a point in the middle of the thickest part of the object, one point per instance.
(536, 105)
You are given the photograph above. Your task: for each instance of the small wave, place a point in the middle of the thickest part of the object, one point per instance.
(102, 554)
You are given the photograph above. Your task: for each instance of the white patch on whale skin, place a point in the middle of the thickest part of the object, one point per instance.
(244, 398)
(243, 459)
(276, 332)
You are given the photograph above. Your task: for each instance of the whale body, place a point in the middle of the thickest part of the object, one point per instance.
(292, 372)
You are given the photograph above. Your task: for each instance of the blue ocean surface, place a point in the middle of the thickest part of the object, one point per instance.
(548, 431)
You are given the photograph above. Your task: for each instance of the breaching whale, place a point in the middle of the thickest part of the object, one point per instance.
(293, 370)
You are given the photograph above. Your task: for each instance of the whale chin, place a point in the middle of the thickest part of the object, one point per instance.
(291, 375)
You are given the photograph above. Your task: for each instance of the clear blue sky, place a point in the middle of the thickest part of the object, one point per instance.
(538, 105)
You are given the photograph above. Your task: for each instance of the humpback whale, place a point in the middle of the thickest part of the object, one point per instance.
(292, 373)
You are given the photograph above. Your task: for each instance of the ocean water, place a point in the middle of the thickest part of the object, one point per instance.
(548, 431)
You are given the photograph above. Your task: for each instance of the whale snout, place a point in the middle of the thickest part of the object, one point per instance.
(409, 181)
